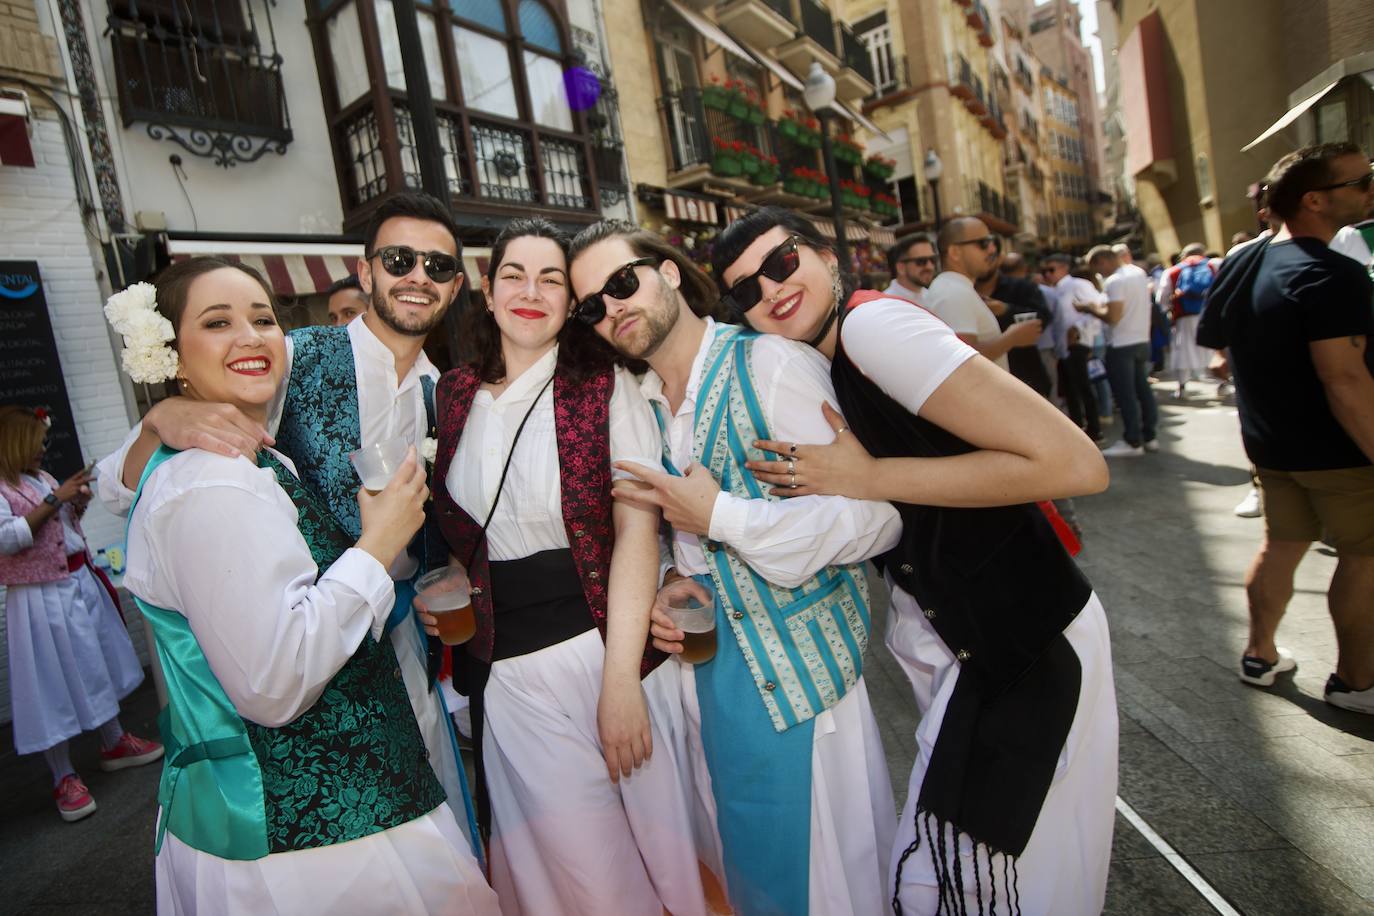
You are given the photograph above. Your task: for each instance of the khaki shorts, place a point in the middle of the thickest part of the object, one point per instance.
(1333, 506)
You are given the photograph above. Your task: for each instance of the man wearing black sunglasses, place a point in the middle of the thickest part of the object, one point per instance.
(778, 694)
(347, 387)
(912, 264)
(968, 251)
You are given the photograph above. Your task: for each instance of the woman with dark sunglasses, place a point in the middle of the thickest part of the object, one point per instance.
(1011, 795)
(588, 810)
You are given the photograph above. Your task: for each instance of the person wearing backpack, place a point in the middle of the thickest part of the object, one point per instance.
(1185, 287)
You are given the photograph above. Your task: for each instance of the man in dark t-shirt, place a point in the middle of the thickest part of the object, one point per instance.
(1006, 283)
(1304, 376)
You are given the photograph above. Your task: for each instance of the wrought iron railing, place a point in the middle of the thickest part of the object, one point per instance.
(892, 75)
(855, 54)
(203, 74)
(818, 25)
(692, 127)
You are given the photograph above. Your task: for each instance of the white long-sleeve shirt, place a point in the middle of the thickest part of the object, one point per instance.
(215, 539)
(785, 541)
(529, 516)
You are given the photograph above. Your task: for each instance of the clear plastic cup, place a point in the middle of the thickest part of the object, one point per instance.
(697, 621)
(446, 594)
(376, 464)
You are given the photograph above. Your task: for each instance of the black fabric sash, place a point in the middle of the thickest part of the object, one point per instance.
(537, 602)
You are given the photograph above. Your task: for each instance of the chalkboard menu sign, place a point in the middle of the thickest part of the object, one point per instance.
(30, 373)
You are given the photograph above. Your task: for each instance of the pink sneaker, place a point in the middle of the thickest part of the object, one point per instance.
(73, 799)
(131, 751)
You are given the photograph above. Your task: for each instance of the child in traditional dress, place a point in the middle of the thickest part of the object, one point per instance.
(299, 781)
(70, 658)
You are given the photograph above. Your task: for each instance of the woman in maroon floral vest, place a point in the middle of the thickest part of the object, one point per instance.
(588, 811)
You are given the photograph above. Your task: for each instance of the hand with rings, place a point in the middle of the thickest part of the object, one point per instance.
(842, 468)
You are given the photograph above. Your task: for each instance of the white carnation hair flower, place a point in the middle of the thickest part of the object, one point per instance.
(133, 314)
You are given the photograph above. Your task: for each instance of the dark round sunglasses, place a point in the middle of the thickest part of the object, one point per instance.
(399, 260)
(622, 284)
(779, 264)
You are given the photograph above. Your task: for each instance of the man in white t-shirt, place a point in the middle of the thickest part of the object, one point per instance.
(912, 264)
(1128, 351)
(968, 250)
(1357, 242)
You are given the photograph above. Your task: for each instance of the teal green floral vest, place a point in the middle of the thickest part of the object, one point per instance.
(351, 765)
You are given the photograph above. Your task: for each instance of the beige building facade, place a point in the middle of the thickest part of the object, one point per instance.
(1200, 82)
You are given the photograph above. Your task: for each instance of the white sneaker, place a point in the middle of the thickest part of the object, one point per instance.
(1151, 445)
(1255, 670)
(1249, 507)
(1123, 449)
(1339, 694)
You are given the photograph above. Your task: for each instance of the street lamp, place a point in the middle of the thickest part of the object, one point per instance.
(934, 168)
(820, 98)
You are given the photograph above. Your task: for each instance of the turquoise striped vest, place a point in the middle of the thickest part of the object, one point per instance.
(804, 646)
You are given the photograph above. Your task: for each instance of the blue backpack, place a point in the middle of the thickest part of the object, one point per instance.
(1193, 282)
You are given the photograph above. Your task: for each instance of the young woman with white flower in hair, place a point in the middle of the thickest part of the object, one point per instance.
(296, 778)
(70, 659)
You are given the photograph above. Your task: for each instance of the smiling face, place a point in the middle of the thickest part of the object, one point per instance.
(638, 324)
(414, 304)
(230, 347)
(529, 297)
(797, 306)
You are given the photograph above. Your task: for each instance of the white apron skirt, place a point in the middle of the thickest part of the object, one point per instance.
(421, 868)
(70, 659)
(1187, 358)
(1063, 869)
(565, 839)
(852, 809)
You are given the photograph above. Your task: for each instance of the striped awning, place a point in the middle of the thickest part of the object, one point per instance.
(300, 269)
(736, 213)
(853, 231)
(882, 236)
(689, 209)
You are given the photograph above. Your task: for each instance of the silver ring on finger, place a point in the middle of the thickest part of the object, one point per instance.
(792, 466)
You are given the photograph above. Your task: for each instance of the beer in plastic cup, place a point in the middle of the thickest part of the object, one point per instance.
(697, 621)
(446, 594)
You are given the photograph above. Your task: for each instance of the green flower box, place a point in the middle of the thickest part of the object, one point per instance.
(767, 174)
(756, 116)
(715, 97)
(798, 186)
(749, 164)
(739, 109)
(726, 165)
(788, 128)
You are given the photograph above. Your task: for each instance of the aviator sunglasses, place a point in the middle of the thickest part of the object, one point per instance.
(622, 284)
(780, 263)
(399, 260)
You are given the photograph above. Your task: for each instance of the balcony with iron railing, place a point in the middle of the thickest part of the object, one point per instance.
(761, 23)
(978, 17)
(892, 76)
(691, 131)
(205, 75)
(815, 41)
(856, 80)
(960, 78)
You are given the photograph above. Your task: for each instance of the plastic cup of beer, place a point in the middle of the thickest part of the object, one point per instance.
(697, 621)
(377, 463)
(446, 594)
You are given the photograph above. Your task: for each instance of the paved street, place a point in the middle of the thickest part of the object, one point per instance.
(1269, 795)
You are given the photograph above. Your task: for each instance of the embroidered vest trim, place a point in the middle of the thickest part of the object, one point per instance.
(45, 560)
(582, 429)
(804, 646)
(351, 765)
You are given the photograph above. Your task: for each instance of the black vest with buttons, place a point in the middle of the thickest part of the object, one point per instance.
(999, 589)
(996, 583)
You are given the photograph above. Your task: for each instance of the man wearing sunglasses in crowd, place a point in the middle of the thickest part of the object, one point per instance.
(779, 718)
(346, 387)
(969, 250)
(912, 264)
